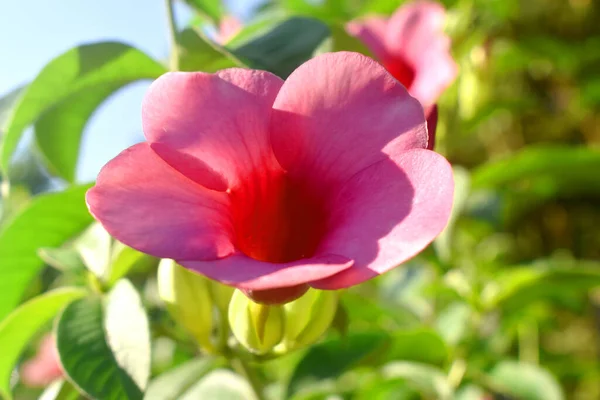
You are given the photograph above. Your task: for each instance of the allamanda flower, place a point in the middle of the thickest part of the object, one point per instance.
(323, 180)
(412, 46)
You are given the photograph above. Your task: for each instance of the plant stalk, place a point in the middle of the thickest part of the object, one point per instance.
(173, 35)
(242, 367)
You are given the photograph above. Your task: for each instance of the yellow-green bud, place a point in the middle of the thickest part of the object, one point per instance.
(307, 318)
(188, 300)
(258, 327)
(221, 295)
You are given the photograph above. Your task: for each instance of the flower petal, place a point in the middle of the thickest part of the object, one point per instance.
(246, 273)
(436, 71)
(415, 34)
(371, 31)
(220, 120)
(413, 27)
(388, 213)
(339, 113)
(44, 367)
(149, 206)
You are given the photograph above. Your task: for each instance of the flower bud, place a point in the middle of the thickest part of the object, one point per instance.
(187, 297)
(258, 327)
(307, 318)
(221, 295)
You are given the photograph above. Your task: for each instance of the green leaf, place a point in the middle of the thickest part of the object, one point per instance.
(385, 7)
(342, 41)
(325, 10)
(23, 323)
(525, 381)
(330, 359)
(106, 258)
(421, 345)
(259, 26)
(340, 320)
(470, 392)
(105, 351)
(453, 322)
(365, 313)
(48, 221)
(63, 259)
(198, 53)
(518, 287)
(123, 260)
(59, 130)
(60, 390)
(222, 385)
(590, 92)
(212, 9)
(387, 389)
(94, 247)
(99, 65)
(285, 47)
(7, 104)
(428, 380)
(173, 384)
(462, 185)
(304, 7)
(544, 171)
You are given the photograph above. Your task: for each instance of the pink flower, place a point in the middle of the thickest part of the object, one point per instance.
(411, 45)
(44, 367)
(272, 186)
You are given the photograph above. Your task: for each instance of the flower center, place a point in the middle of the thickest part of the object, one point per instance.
(400, 70)
(277, 220)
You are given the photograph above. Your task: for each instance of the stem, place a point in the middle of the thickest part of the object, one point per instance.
(528, 342)
(174, 56)
(244, 369)
(457, 372)
(5, 188)
(223, 332)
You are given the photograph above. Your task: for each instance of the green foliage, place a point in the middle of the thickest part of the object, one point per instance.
(326, 10)
(59, 130)
(211, 9)
(526, 382)
(60, 390)
(544, 171)
(106, 258)
(176, 383)
(22, 324)
(48, 221)
(74, 83)
(284, 47)
(220, 384)
(418, 345)
(61, 259)
(429, 381)
(522, 286)
(198, 53)
(7, 103)
(329, 360)
(105, 348)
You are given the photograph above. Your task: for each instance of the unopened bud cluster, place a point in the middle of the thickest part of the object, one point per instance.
(202, 306)
(195, 302)
(281, 328)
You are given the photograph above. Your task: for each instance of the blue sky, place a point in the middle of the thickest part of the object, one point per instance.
(32, 32)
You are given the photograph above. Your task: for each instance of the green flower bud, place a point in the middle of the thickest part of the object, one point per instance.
(307, 318)
(221, 295)
(258, 327)
(188, 300)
